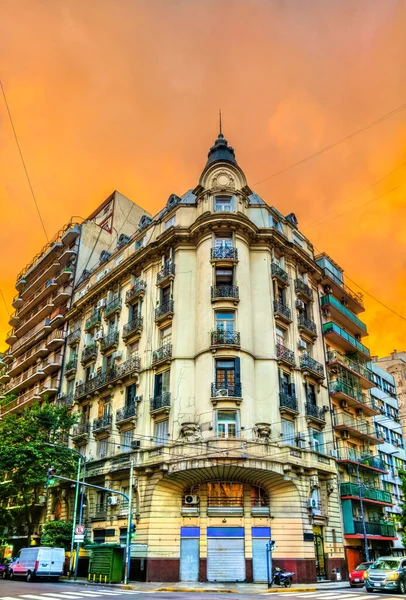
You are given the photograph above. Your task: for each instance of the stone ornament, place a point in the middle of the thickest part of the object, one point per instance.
(190, 432)
(262, 433)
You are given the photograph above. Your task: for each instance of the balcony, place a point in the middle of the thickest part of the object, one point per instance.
(352, 396)
(288, 402)
(21, 402)
(4, 376)
(42, 277)
(102, 424)
(70, 234)
(353, 456)
(161, 404)
(351, 490)
(14, 320)
(164, 311)
(167, 273)
(27, 359)
(64, 275)
(285, 356)
(80, 431)
(33, 318)
(307, 326)
(133, 328)
(55, 339)
(11, 337)
(228, 505)
(307, 363)
(93, 320)
(282, 311)
(112, 307)
(25, 380)
(302, 289)
(344, 339)
(71, 367)
(73, 337)
(136, 291)
(58, 316)
(354, 529)
(52, 364)
(17, 301)
(65, 399)
(342, 315)
(355, 427)
(100, 512)
(279, 274)
(221, 390)
(48, 389)
(89, 353)
(227, 254)
(338, 288)
(109, 341)
(67, 256)
(314, 412)
(220, 337)
(334, 357)
(126, 414)
(113, 375)
(225, 292)
(162, 355)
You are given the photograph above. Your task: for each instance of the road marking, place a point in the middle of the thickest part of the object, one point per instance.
(54, 596)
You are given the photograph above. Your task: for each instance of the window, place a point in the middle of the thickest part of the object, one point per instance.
(311, 395)
(288, 432)
(161, 432)
(225, 493)
(130, 394)
(126, 437)
(108, 363)
(132, 349)
(275, 223)
(104, 407)
(228, 376)
(170, 222)
(223, 242)
(165, 295)
(88, 372)
(161, 383)
(280, 336)
(223, 204)
(134, 311)
(259, 496)
(298, 240)
(287, 388)
(280, 295)
(71, 386)
(139, 243)
(316, 440)
(227, 426)
(102, 448)
(224, 276)
(111, 325)
(224, 321)
(99, 536)
(166, 335)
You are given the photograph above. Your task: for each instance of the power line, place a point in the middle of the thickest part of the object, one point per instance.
(335, 144)
(5, 304)
(23, 161)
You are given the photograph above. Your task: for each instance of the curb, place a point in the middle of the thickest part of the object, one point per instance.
(291, 589)
(198, 590)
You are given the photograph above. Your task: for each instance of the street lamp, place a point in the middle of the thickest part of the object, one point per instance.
(364, 526)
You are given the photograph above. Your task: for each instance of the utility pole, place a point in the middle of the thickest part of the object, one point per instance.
(129, 525)
(75, 508)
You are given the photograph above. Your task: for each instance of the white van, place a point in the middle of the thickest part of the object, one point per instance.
(38, 562)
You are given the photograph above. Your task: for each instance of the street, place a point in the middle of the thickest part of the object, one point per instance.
(20, 590)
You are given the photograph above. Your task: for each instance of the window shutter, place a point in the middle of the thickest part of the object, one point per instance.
(157, 385)
(237, 371)
(292, 390)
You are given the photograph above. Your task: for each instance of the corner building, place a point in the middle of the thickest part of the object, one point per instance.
(191, 356)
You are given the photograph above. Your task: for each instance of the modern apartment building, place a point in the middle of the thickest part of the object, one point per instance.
(395, 364)
(44, 292)
(389, 428)
(353, 409)
(196, 353)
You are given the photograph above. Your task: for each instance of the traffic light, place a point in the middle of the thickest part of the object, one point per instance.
(133, 530)
(50, 476)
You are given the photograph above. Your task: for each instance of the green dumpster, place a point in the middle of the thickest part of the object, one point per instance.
(106, 564)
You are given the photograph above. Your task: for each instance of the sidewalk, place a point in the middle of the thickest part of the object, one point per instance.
(219, 588)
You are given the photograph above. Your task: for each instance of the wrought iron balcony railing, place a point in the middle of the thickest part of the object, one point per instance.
(81, 429)
(343, 387)
(113, 306)
(109, 340)
(220, 337)
(307, 363)
(135, 325)
(162, 401)
(335, 356)
(102, 423)
(89, 352)
(307, 323)
(288, 401)
(286, 355)
(223, 388)
(367, 492)
(136, 290)
(225, 501)
(225, 291)
(282, 309)
(312, 410)
(65, 399)
(132, 365)
(279, 273)
(224, 253)
(302, 288)
(164, 309)
(93, 320)
(167, 271)
(71, 366)
(127, 412)
(163, 353)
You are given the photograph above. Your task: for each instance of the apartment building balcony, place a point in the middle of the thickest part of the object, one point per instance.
(353, 529)
(307, 326)
(62, 296)
(70, 234)
(17, 301)
(73, 337)
(136, 291)
(288, 403)
(93, 320)
(350, 396)
(311, 366)
(133, 328)
(67, 255)
(21, 402)
(224, 254)
(369, 494)
(64, 275)
(27, 359)
(223, 390)
(109, 341)
(100, 510)
(25, 380)
(14, 320)
(65, 399)
(225, 292)
(162, 355)
(34, 336)
(350, 455)
(49, 388)
(89, 353)
(55, 339)
(43, 310)
(102, 424)
(335, 310)
(58, 316)
(11, 337)
(339, 289)
(285, 355)
(8, 357)
(112, 376)
(225, 339)
(315, 413)
(302, 289)
(335, 358)
(127, 414)
(80, 432)
(160, 404)
(52, 364)
(4, 376)
(41, 277)
(164, 311)
(282, 311)
(167, 273)
(71, 367)
(344, 339)
(279, 274)
(113, 307)
(353, 427)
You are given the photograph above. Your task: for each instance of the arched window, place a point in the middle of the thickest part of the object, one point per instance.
(259, 496)
(225, 493)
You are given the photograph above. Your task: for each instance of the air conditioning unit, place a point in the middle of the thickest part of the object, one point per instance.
(99, 335)
(301, 436)
(345, 435)
(300, 305)
(311, 503)
(302, 344)
(301, 444)
(333, 370)
(334, 453)
(112, 500)
(135, 444)
(343, 403)
(61, 395)
(92, 375)
(398, 526)
(395, 472)
(101, 303)
(191, 500)
(221, 393)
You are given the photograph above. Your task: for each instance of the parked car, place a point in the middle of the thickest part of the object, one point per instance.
(357, 576)
(38, 562)
(386, 573)
(4, 566)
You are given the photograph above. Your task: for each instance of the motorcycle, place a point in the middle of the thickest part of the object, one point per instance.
(281, 577)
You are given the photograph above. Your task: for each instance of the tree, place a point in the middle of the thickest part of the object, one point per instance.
(24, 459)
(402, 517)
(57, 534)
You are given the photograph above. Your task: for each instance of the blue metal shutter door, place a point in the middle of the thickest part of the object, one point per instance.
(189, 559)
(225, 559)
(259, 558)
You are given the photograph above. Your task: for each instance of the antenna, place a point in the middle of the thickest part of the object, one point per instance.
(221, 132)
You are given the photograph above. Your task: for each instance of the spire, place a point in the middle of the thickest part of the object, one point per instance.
(221, 151)
(221, 133)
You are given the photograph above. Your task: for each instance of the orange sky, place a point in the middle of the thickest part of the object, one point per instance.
(124, 94)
